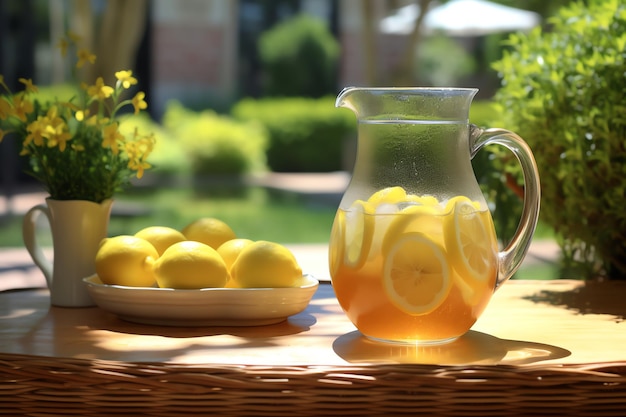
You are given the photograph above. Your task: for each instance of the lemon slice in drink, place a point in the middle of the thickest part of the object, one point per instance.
(336, 254)
(469, 242)
(424, 219)
(359, 229)
(416, 276)
(389, 195)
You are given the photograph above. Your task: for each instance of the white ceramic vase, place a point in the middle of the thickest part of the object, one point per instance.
(77, 228)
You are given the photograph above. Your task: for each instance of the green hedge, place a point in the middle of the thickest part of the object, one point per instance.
(306, 135)
(216, 144)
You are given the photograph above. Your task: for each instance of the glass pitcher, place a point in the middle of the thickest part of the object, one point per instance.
(413, 253)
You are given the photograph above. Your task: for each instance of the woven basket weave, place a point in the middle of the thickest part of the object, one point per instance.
(41, 386)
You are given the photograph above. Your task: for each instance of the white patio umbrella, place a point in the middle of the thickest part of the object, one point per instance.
(462, 18)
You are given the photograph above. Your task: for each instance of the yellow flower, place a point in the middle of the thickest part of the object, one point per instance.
(100, 91)
(58, 135)
(73, 142)
(50, 127)
(5, 109)
(36, 132)
(95, 120)
(126, 78)
(70, 106)
(136, 157)
(52, 116)
(83, 115)
(139, 166)
(21, 107)
(110, 137)
(147, 144)
(29, 86)
(84, 56)
(138, 151)
(138, 102)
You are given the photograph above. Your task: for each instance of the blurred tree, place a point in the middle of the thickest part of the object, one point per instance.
(404, 72)
(407, 69)
(114, 35)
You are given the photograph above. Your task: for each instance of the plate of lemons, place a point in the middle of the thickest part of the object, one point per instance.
(203, 275)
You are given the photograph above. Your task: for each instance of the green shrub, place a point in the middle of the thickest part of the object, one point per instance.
(483, 113)
(563, 91)
(299, 58)
(216, 144)
(306, 135)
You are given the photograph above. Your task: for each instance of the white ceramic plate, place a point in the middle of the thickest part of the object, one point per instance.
(204, 307)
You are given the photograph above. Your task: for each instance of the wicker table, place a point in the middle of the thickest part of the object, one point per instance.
(541, 348)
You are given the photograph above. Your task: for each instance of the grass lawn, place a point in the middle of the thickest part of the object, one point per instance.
(252, 212)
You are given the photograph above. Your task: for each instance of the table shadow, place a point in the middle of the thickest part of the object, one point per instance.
(298, 323)
(86, 342)
(592, 297)
(471, 348)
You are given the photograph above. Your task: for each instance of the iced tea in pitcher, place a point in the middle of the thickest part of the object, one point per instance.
(412, 268)
(413, 254)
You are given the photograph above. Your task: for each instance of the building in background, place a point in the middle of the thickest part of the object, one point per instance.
(204, 51)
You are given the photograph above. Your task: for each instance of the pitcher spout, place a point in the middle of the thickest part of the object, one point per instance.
(344, 98)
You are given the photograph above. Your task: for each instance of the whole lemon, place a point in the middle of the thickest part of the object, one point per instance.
(230, 250)
(210, 231)
(190, 265)
(161, 237)
(126, 260)
(264, 264)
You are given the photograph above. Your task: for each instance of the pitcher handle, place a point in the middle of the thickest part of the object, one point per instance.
(30, 240)
(512, 255)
